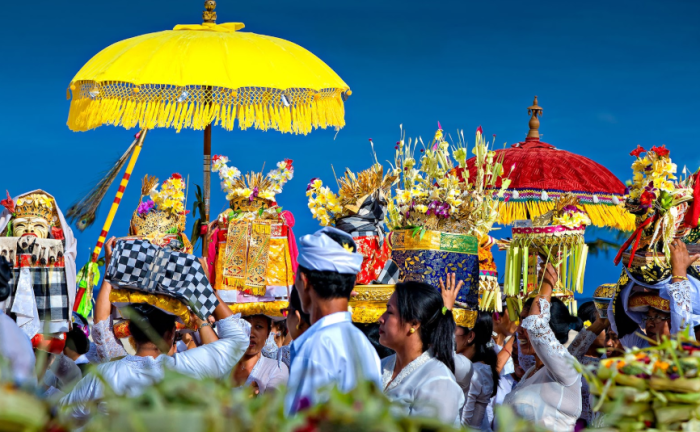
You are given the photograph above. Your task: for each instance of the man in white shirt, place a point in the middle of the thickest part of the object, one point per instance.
(332, 351)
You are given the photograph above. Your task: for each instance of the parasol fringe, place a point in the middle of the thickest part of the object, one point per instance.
(300, 117)
(601, 215)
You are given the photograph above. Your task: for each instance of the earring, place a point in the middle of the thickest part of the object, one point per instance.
(412, 331)
(298, 326)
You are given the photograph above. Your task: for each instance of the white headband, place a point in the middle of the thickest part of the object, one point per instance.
(319, 252)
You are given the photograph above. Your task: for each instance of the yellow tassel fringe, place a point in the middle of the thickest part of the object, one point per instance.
(601, 215)
(97, 104)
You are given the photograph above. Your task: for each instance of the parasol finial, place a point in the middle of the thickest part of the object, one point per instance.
(209, 15)
(535, 111)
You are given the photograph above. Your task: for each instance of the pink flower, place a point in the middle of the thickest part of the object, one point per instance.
(479, 130)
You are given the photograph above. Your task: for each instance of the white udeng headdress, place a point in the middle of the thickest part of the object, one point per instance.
(319, 252)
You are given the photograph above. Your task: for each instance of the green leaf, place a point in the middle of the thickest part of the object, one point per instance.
(422, 233)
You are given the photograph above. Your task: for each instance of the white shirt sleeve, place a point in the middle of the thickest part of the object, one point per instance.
(464, 371)
(278, 378)
(679, 295)
(218, 358)
(477, 400)
(88, 389)
(556, 358)
(107, 345)
(435, 397)
(579, 346)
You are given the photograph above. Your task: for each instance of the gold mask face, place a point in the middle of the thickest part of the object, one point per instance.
(31, 226)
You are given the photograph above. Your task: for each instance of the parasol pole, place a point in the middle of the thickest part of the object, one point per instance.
(207, 182)
(92, 265)
(208, 16)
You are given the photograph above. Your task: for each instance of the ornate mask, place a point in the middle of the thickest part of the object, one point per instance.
(34, 215)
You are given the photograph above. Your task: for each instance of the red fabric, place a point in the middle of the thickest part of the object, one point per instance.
(541, 166)
(375, 257)
(693, 214)
(211, 255)
(57, 233)
(636, 237)
(291, 240)
(53, 345)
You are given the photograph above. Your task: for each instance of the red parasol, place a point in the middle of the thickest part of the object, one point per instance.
(542, 173)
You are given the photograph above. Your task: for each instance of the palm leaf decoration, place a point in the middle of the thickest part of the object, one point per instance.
(197, 206)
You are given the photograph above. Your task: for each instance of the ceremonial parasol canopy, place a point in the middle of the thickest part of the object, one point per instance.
(195, 76)
(542, 173)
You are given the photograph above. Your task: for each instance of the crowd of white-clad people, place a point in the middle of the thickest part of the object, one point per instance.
(429, 366)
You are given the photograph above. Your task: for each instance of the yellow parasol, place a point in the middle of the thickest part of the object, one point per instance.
(196, 76)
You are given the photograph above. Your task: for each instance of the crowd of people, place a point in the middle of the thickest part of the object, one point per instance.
(436, 368)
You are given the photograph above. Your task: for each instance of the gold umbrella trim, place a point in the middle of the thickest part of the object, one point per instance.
(295, 110)
(601, 215)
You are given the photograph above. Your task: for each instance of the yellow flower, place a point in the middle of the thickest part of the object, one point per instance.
(348, 248)
(586, 324)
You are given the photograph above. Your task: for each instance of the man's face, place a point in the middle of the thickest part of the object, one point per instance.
(657, 324)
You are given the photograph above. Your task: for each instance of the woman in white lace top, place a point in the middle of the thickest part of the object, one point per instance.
(422, 377)
(549, 394)
(476, 345)
(255, 370)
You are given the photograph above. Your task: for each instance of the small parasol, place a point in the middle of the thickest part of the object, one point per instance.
(543, 173)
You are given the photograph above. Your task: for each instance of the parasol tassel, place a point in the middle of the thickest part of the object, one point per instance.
(83, 212)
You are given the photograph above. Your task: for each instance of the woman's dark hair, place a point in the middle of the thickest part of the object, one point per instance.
(145, 318)
(77, 341)
(295, 303)
(560, 321)
(267, 319)
(371, 330)
(483, 328)
(588, 312)
(419, 302)
(330, 284)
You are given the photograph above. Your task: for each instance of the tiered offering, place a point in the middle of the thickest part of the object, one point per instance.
(439, 216)
(557, 239)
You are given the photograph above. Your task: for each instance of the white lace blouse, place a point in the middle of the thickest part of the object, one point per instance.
(550, 397)
(269, 374)
(578, 349)
(478, 397)
(426, 387)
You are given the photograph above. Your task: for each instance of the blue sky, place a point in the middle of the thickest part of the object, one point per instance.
(610, 75)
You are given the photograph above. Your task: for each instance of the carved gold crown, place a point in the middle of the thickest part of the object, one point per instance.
(36, 205)
(157, 222)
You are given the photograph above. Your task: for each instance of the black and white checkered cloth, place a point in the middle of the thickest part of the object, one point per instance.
(142, 266)
(368, 220)
(50, 291)
(389, 274)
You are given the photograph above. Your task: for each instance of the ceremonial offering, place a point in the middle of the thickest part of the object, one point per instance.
(557, 237)
(252, 252)
(40, 246)
(359, 209)
(651, 388)
(660, 202)
(161, 219)
(175, 282)
(438, 215)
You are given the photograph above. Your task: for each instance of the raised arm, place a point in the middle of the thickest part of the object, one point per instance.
(679, 292)
(107, 345)
(585, 338)
(216, 359)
